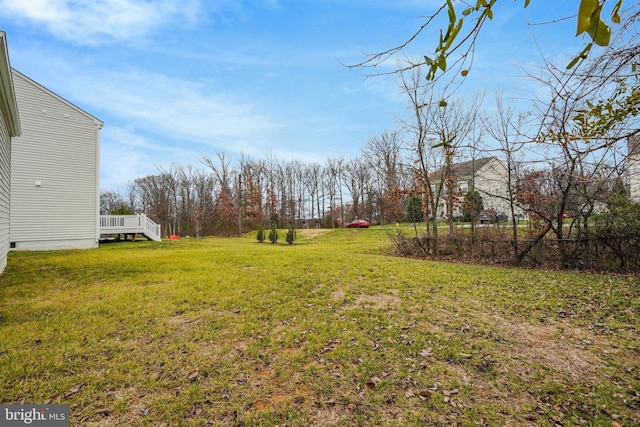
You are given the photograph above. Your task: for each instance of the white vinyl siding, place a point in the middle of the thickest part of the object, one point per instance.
(54, 180)
(491, 183)
(5, 164)
(463, 187)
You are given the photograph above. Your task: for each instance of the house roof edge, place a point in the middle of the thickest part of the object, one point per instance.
(8, 103)
(95, 120)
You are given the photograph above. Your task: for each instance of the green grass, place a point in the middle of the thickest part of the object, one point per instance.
(329, 331)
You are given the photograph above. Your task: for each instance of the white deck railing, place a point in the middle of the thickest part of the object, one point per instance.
(129, 224)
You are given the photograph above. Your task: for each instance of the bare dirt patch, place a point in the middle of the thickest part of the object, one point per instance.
(338, 295)
(378, 302)
(562, 348)
(312, 232)
(184, 324)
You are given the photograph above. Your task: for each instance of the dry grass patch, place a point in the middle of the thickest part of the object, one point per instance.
(377, 302)
(310, 233)
(560, 347)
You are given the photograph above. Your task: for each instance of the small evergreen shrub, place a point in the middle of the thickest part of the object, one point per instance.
(273, 234)
(260, 235)
(291, 235)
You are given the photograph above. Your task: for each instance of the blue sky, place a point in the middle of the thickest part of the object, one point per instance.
(177, 79)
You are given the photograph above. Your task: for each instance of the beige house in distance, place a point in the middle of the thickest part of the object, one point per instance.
(488, 176)
(9, 129)
(55, 164)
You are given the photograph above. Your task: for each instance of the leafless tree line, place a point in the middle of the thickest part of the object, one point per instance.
(225, 198)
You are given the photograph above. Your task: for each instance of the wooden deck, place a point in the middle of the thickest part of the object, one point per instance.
(129, 224)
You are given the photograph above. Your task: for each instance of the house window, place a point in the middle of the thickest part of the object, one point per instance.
(463, 186)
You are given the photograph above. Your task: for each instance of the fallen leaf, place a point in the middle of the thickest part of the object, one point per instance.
(193, 376)
(425, 395)
(73, 390)
(260, 405)
(394, 411)
(426, 352)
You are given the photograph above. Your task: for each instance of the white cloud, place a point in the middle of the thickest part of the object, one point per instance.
(154, 120)
(171, 107)
(94, 22)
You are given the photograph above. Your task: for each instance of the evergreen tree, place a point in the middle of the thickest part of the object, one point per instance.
(260, 235)
(291, 235)
(414, 209)
(273, 234)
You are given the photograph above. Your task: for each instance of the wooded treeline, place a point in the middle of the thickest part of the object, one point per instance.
(219, 198)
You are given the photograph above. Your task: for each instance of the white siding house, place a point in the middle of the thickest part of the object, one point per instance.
(54, 172)
(9, 128)
(488, 176)
(491, 181)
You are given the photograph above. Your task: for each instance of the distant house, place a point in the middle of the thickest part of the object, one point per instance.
(9, 128)
(488, 176)
(54, 172)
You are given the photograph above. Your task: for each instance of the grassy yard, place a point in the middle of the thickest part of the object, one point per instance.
(331, 331)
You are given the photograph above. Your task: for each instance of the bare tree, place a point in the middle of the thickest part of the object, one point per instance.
(221, 169)
(334, 171)
(438, 133)
(383, 156)
(357, 175)
(505, 128)
(312, 177)
(130, 194)
(113, 203)
(156, 199)
(426, 159)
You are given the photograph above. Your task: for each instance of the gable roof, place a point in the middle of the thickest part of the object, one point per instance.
(95, 120)
(465, 169)
(471, 167)
(8, 104)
